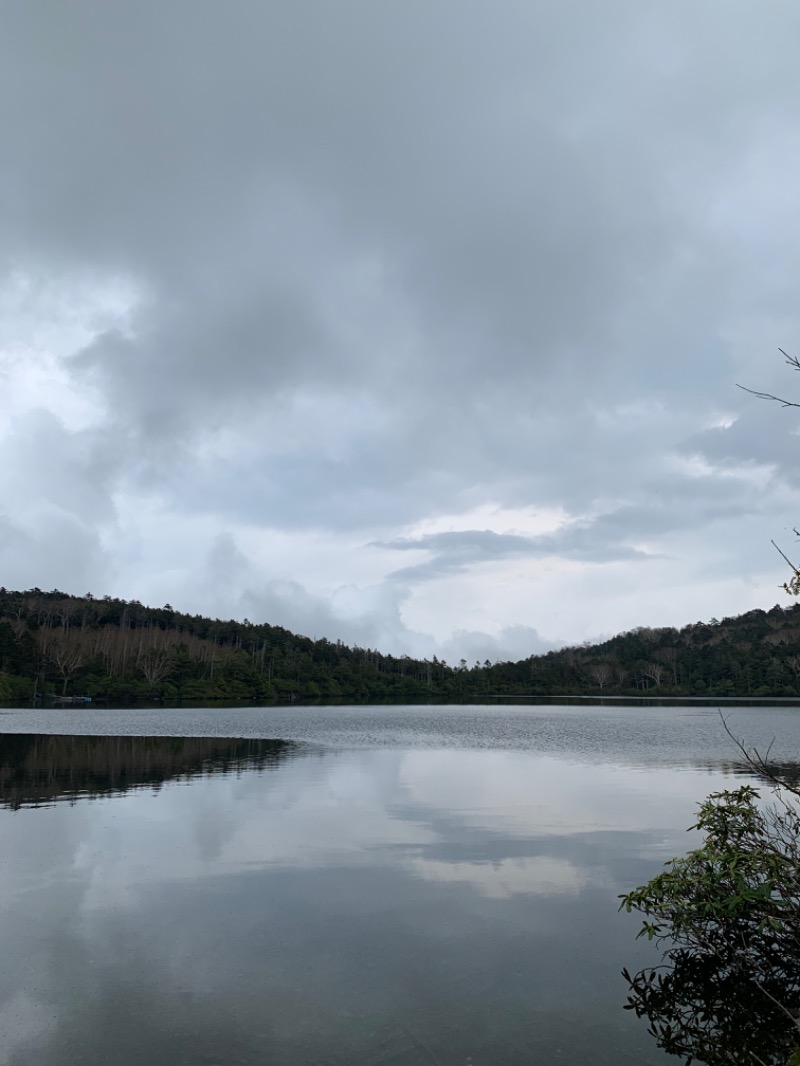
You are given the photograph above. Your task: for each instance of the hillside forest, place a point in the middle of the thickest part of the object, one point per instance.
(54, 645)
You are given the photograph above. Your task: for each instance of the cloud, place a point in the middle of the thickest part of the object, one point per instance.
(460, 550)
(507, 643)
(331, 274)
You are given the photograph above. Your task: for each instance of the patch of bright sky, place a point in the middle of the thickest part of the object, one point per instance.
(526, 521)
(489, 598)
(549, 595)
(757, 475)
(721, 422)
(44, 321)
(153, 557)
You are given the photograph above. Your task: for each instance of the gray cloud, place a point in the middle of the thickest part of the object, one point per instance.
(457, 551)
(386, 264)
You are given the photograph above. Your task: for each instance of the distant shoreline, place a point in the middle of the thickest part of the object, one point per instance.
(442, 701)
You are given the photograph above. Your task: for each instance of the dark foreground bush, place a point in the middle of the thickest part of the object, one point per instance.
(728, 917)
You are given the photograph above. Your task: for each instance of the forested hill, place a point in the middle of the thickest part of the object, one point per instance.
(52, 644)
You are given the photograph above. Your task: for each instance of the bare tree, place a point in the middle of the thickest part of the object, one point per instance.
(653, 671)
(601, 674)
(68, 656)
(155, 666)
(669, 656)
(779, 636)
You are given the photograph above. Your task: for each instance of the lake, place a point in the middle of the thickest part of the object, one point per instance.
(343, 886)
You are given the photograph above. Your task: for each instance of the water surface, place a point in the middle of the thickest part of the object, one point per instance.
(341, 885)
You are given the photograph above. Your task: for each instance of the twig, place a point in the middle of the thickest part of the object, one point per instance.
(782, 553)
(768, 396)
(794, 362)
(756, 761)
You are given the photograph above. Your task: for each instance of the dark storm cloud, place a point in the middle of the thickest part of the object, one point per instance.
(519, 173)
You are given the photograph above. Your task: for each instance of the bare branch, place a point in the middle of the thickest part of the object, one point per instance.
(757, 762)
(794, 362)
(768, 396)
(785, 557)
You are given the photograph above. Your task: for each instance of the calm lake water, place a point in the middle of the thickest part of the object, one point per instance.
(343, 886)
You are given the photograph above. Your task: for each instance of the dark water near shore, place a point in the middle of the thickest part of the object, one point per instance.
(343, 886)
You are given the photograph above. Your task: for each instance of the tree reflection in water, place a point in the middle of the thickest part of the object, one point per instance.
(704, 1012)
(36, 769)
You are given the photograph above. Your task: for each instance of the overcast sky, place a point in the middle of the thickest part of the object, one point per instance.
(414, 324)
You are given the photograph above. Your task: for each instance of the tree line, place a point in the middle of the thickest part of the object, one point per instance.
(56, 645)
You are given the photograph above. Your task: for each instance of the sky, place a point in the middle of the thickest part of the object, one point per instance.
(412, 324)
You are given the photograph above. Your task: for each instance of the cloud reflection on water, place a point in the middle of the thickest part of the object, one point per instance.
(394, 882)
(341, 905)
